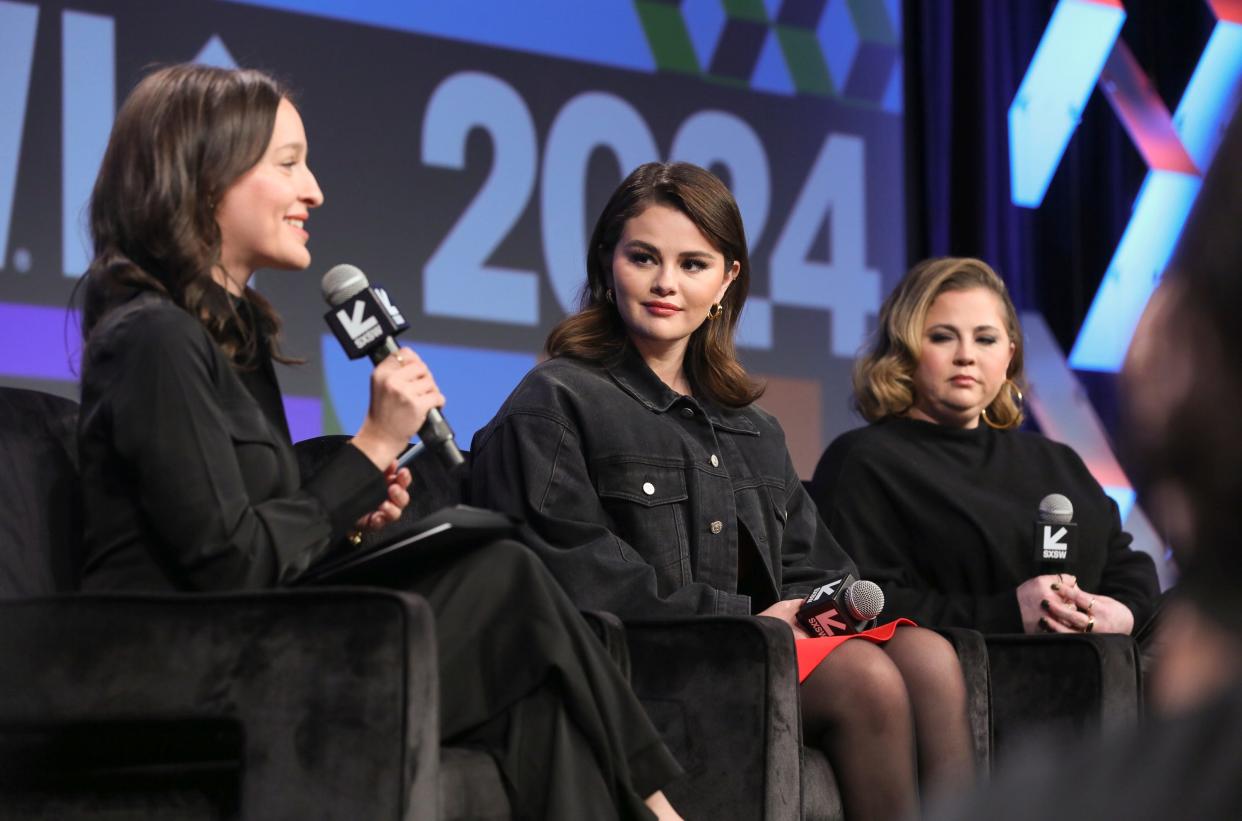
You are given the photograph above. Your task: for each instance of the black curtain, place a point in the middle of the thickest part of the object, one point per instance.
(964, 62)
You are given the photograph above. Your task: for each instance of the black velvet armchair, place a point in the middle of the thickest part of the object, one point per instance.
(723, 691)
(282, 704)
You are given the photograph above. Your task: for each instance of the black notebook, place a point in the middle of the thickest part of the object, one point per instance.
(447, 528)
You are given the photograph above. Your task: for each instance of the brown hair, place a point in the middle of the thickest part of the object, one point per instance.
(884, 373)
(596, 332)
(184, 135)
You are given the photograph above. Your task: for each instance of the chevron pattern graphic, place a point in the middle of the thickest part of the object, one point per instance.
(1081, 49)
(843, 49)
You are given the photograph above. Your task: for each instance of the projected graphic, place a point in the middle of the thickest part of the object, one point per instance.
(464, 150)
(1079, 48)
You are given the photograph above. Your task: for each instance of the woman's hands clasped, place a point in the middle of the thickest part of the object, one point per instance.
(1056, 604)
(402, 392)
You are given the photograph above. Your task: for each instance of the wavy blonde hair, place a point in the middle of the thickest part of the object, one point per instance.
(884, 373)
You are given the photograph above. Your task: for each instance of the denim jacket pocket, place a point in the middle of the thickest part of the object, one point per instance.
(648, 503)
(775, 515)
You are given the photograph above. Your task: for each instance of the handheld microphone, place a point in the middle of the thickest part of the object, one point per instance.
(364, 321)
(842, 607)
(1056, 535)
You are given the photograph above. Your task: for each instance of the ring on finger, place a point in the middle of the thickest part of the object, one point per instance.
(1091, 604)
(400, 359)
(1090, 625)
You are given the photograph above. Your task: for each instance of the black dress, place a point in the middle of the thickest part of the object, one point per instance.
(190, 483)
(943, 520)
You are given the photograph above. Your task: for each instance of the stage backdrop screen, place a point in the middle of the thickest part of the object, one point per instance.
(465, 150)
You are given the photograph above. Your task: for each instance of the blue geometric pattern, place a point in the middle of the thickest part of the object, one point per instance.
(839, 40)
(705, 22)
(606, 32)
(1067, 64)
(1049, 103)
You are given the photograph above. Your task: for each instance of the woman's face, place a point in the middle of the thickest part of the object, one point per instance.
(965, 356)
(262, 216)
(665, 277)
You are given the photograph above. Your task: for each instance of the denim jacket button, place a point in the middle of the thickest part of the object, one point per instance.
(648, 488)
(717, 526)
(715, 462)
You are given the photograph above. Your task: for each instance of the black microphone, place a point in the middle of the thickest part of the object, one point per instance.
(1056, 535)
(364, 321)
(842, 607)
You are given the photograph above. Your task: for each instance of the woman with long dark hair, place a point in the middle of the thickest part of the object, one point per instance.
(189, 477)
(660, 489)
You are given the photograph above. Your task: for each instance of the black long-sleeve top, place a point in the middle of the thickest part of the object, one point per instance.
(649, 503)
(189, 478)
(943, 520)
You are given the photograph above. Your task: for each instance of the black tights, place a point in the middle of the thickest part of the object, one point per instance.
(890, 717)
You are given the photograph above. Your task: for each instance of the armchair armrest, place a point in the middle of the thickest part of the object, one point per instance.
(723, 692)
(333, 693)
(972, 654)
(1062, 683)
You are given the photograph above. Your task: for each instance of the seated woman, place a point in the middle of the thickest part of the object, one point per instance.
(660, 489)
(939, 509)
(190, 481)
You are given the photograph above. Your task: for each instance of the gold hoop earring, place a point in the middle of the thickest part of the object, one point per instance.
(715, 311)
(1019, 400)
(608, 296)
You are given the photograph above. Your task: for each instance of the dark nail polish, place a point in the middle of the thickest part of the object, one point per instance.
(1055, 586)
(1043, 624)
(1043, 603)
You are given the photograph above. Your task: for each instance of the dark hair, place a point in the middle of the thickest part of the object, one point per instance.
(184, 135)
(596, 332)
(884, 371)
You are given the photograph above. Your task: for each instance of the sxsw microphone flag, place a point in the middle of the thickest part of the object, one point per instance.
(364, 320)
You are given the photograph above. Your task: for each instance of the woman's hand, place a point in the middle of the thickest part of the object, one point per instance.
(1046, 605)
(389, 510)
(402, 391)
(1104, 613)
(786, 611)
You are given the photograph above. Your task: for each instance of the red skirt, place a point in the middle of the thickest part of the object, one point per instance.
(812, 651)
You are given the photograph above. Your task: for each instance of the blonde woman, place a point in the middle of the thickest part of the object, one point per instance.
(936, 498)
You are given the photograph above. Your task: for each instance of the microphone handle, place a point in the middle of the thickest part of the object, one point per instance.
(435, 431)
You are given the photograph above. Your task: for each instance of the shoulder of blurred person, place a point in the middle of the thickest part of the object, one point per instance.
(1183, 766)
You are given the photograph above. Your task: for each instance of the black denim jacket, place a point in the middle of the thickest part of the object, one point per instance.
(637, 494)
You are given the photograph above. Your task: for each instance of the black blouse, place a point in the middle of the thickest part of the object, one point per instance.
(189, 478)
(943, 520)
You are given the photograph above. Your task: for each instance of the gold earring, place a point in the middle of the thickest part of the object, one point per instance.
(715, 311)
(1018, 400)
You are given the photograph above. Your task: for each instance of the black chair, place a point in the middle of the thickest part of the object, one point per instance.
(723, 691)
(1068, 685)
(282, 704)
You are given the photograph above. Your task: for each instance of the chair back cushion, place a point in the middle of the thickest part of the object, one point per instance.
(40, 496)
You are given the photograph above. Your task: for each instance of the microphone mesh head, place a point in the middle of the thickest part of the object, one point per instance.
(865, 600)
(341, 283)
(1055, 509)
